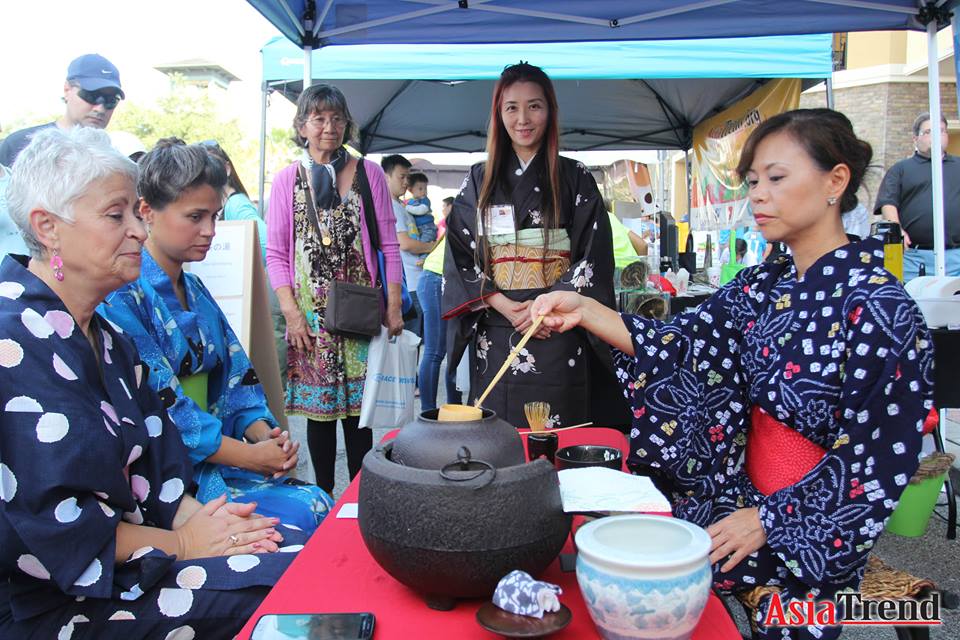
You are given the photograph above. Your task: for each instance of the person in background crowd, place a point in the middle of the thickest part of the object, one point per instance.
(430, 293)
(828, 418)
(627, 245)
(906, 197)
(197, 365)
(90, 93)
(542, 227)
(418, 205)
(98, 535)
(412, 250)
(317, 233)
(238, 205)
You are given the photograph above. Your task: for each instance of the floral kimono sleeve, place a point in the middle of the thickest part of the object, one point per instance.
(464, 284)
(200, 431)
(824, 526)
(591, 242)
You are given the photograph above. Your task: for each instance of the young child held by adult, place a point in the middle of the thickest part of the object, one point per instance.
(418, 206)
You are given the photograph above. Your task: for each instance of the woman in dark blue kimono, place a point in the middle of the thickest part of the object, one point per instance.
(786, 412)
(98, 535)
(196, 362)
(525, 222)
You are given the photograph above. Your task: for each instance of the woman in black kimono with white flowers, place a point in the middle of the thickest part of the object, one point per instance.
(527, 221)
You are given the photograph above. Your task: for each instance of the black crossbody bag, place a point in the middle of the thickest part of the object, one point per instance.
(353, 309)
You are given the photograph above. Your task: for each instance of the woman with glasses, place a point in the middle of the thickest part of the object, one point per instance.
(316, 234)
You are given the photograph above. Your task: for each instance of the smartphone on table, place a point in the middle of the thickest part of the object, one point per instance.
(314, 626)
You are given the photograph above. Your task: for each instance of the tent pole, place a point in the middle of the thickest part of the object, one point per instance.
(936, 149)
(307, 66)
(830, 101)
(263, 147)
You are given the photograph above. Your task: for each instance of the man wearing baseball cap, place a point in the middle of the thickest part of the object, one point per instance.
(91, 93)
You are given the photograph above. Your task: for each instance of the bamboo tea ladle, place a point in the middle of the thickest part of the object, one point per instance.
(513, 354)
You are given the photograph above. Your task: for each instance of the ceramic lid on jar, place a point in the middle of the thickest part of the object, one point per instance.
(643, 541)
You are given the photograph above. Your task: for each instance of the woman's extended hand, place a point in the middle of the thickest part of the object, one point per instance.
(213, 531)
(299, 334)
(738, 535)
(562, 310)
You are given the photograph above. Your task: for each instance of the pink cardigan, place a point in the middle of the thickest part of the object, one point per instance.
(280, 244)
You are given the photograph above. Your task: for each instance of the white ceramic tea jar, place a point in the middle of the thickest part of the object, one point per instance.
(644, 576)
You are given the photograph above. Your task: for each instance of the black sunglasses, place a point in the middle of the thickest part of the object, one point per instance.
(109, 100)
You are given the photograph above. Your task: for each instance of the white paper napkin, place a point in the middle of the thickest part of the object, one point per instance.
(602, 489)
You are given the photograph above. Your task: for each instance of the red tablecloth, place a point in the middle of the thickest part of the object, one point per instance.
(335, 573)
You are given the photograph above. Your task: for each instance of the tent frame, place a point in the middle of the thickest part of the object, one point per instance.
(933, 14)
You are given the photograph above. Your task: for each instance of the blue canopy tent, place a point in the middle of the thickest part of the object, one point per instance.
(614, 95)
(318, 23)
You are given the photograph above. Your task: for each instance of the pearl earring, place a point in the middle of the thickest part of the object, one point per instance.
(831, 201)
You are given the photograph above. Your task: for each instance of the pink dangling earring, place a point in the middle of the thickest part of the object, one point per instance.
(56, 263)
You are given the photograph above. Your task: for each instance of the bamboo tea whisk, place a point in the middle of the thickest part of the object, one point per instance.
(537, 414)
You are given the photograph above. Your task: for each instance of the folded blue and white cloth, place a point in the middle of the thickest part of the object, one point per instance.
(517, 592)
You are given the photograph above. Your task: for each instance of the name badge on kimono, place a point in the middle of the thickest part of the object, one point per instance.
(500, 219)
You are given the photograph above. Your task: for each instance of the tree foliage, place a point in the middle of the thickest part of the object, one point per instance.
(190, 113)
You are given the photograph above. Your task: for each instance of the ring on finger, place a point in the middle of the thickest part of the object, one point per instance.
(234, 539)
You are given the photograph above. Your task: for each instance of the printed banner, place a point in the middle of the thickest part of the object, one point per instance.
(718, 197)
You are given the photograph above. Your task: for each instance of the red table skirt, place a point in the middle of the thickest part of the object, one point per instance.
(335, 573)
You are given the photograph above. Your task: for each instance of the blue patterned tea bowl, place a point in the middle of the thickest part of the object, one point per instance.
(644, 576)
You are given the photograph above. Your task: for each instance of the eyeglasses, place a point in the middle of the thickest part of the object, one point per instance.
(109, 100)
(211, 144)
(338, 122)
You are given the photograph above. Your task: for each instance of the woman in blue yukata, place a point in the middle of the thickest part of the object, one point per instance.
(196, 362)
(785, 412)
(99, 537)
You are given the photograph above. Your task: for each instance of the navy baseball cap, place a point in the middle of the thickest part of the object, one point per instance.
(94, 72)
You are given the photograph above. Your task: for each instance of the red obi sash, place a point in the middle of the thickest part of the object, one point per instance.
(777, 456)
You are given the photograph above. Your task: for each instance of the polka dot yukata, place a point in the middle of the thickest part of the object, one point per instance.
(842, 357)
(82, 446)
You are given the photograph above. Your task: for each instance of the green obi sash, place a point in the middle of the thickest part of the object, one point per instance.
(196, 387)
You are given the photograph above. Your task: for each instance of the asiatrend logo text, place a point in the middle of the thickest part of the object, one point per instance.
(852, 608)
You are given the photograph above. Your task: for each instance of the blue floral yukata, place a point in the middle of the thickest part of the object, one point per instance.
(176, 343)
(841, 356)
(83, 445)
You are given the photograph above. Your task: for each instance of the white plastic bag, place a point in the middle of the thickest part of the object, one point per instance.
(391, 376)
